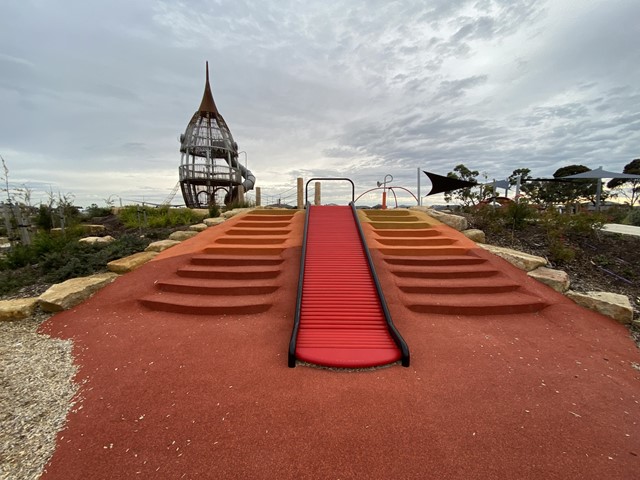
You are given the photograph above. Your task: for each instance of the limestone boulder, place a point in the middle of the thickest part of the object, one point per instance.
(198, 227)
(556, 279)
(201, 211)
(66, 295)
(97, 240)
(92, 229)
(182, 235)
(454, 221)
(522, 260)
(234, 212)
(476, 235)
(130, 263)
(612, 305)
(210, 222)
(17, 309)
(161, 245)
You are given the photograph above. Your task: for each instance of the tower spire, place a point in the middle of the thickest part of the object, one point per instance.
(207, 104)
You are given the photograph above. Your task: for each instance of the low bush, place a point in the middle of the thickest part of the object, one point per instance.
(214, 211)
(95, 211)
(159, 217)
(54, 259)
(633, 218)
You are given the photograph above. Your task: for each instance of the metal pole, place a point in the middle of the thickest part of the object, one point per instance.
(419, 197)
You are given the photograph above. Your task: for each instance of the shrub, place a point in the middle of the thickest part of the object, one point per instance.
(616, 213)
(95, 211)
(518, 213)
(150, 217)
(56, 258)
(486, 218)
(633, 218)
(43, 218)
(560, 252)
(214, 211)
(237, 204)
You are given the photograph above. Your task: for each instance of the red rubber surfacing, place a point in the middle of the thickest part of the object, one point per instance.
(342, 323)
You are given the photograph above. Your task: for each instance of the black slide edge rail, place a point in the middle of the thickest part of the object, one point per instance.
(306, 187)
(397, 338)
(296, 321)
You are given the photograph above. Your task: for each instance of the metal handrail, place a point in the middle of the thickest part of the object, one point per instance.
(404, 349)
(296, 320)
(306, 187)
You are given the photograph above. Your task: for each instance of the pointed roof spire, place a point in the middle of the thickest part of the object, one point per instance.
(207, 104)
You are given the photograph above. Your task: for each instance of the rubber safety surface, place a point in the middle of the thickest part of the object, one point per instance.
(342, 323)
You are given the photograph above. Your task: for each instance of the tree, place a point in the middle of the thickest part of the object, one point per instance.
(524, 174)
(471, 195)
(622, 184)
(572, 190)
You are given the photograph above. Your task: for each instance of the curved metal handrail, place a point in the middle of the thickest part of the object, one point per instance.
(306, 187)
(402, 345)
(296, 320)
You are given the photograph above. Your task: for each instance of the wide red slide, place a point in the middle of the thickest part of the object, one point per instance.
(341, 318)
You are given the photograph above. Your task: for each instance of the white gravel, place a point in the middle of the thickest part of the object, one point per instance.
(36, 392)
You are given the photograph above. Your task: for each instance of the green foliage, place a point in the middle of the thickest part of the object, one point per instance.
(95, 211)
(559, 251)
(44, 219)
(42, 244)
(467, 196)
(56, 258)
(214, 210)
(237, 204)
(633, 218)
(518, 213)
(160, 217)
(513, 216)
(620, 184)
(616, 213)
(486, 218)
(561, 229)
(574, 190)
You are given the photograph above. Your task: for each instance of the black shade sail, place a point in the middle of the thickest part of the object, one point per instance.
(440, 184)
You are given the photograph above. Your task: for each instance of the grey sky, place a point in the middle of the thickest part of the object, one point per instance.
(94, 94)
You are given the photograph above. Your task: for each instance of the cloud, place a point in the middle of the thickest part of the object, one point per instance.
(360, 88)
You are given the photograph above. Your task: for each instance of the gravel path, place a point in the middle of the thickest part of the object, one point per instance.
(36, 392)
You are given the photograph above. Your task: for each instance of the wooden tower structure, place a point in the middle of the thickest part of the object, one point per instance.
(209, 168)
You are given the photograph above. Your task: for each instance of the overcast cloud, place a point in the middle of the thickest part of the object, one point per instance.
(93, 95)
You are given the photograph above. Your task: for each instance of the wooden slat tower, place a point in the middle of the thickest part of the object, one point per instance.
(209, 165)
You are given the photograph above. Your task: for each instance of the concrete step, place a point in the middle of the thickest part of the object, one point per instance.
(229, 272)
(492, 304)
(446, 271)
(438, 250)
(409, 233)
(200, 286)
(257, 231)
(235, 260)
(434, 260)
(243, 250)
(251, 240)
(206, 304)
(416, 242)
(460, 286)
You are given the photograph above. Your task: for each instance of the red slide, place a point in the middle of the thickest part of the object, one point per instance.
(341, 320)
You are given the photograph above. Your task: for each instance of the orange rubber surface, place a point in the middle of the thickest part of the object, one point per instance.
(342, 323)
(547, 394)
